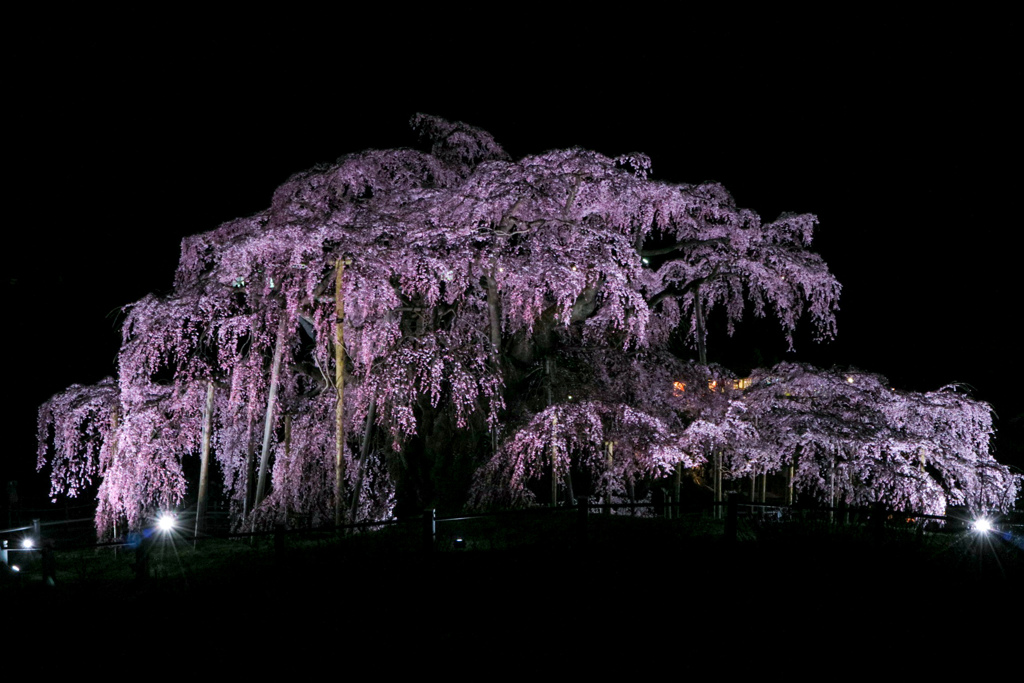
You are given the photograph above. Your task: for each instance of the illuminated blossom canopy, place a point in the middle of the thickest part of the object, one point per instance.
(850, 436)
(476, 291)
(615, 421)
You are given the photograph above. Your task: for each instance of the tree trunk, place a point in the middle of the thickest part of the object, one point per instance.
(287, 442)
(832, 494)
(554, 468)
(698, 307)
(204, 469)
(250, 471)
(364, 455)
(495, 325)
(339, 385)
(554, 424)
(677, 498)
(114, 417)
(495, 318)
(718, 484)
(632, 497)
(791, 475)
(268, 424)
(610, 460)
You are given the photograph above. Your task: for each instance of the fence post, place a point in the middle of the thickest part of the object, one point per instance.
(429, 529)
(583, 518)
(731, 518)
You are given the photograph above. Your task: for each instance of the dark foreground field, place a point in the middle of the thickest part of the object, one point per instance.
(652, 586)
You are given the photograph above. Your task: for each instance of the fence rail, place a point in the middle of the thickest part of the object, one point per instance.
(430, 533)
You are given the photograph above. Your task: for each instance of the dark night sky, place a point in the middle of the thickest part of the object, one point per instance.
(896, 135)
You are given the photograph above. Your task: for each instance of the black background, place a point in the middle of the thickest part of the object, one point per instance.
(898, 133)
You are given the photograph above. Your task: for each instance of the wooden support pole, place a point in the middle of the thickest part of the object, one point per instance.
(204, 469)
(789, 485)
(268, 423)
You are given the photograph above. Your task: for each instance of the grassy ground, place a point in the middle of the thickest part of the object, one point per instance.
(532, 577)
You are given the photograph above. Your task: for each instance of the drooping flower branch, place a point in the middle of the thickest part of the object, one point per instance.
(476, 290)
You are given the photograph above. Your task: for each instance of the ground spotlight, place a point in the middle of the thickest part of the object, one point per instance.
(165, 522)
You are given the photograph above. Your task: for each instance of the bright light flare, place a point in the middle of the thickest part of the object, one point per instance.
(27, 544)
(166, 522)
(982, 525)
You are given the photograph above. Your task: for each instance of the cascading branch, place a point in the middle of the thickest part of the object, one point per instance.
(75, 429)
(850, 436)
(130, 443)
(474, 290)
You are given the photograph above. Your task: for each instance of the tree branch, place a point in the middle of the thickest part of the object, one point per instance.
(677, 293)
(688, 244)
